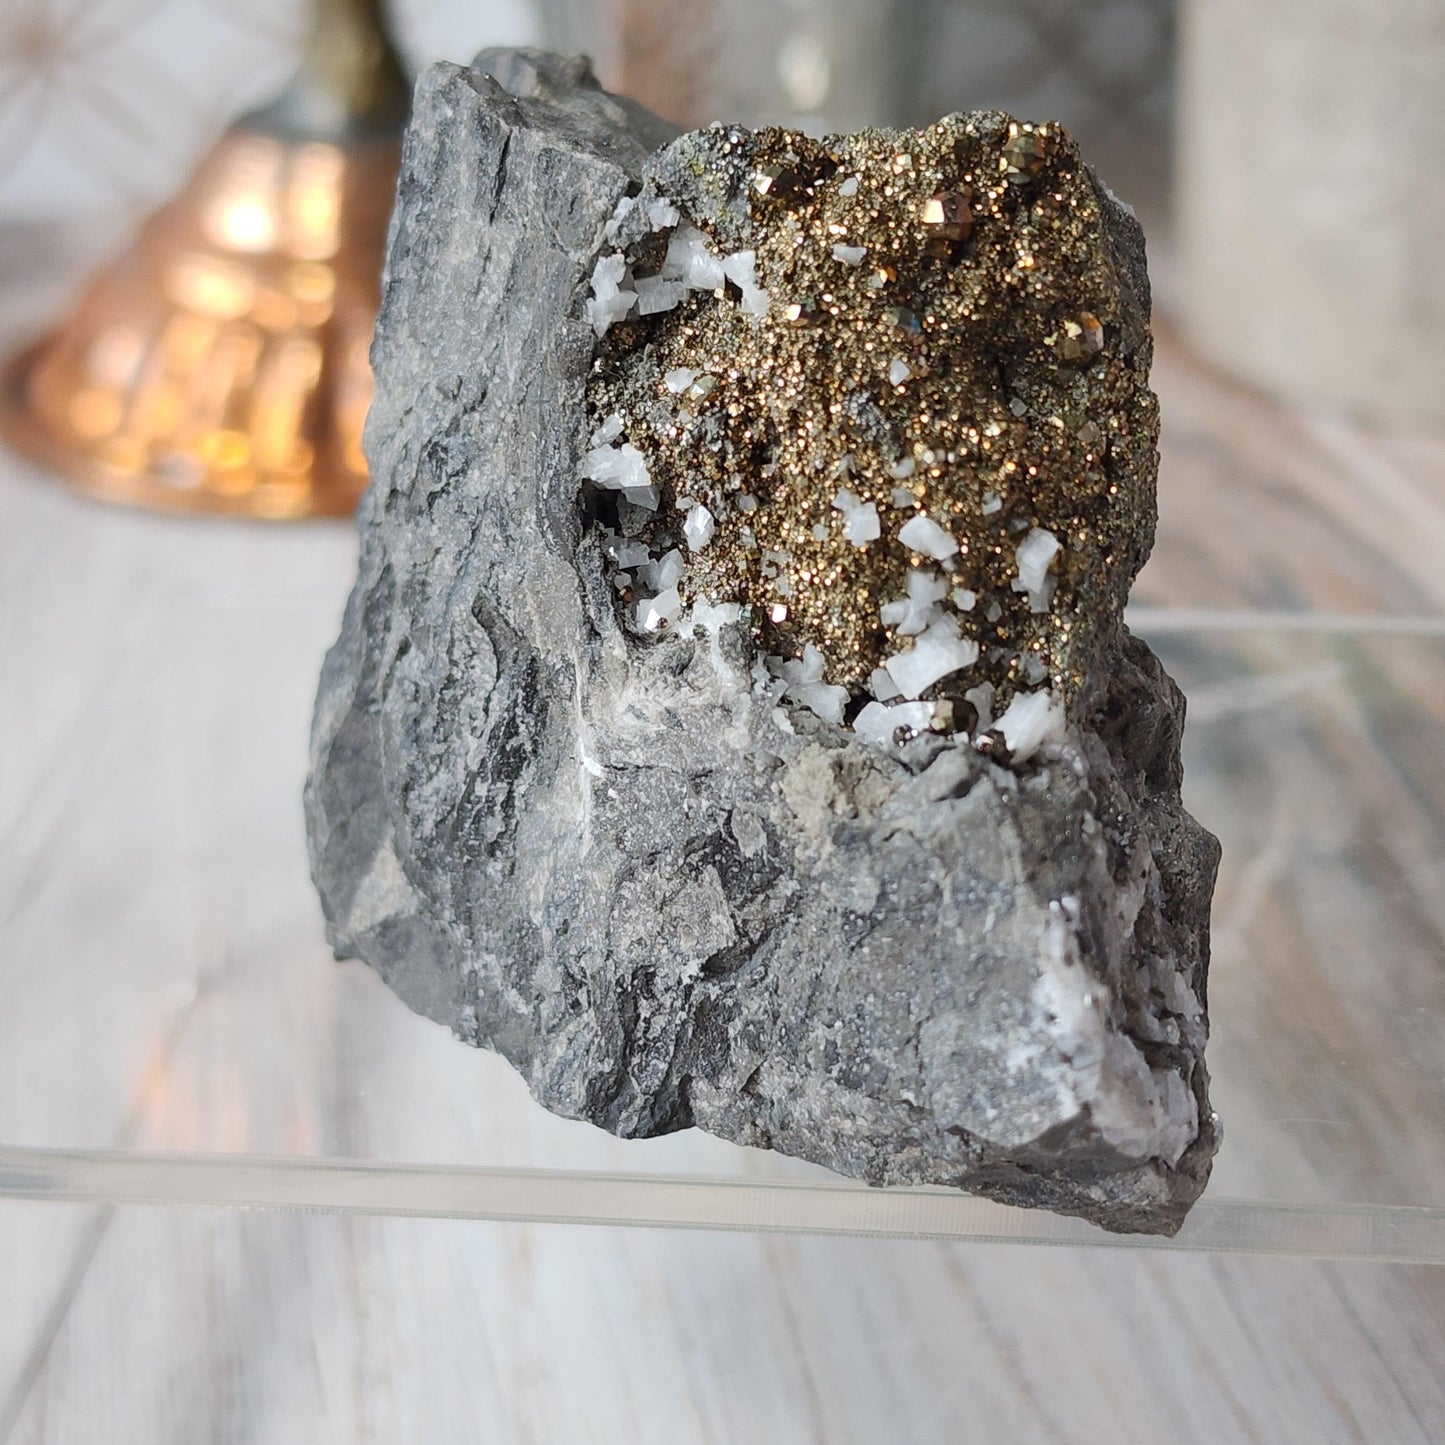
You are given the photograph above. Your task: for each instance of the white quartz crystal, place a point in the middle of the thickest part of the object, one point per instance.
(923, 534)
(654, 613)
(860, 519)
(877, 723)
(937, 652)
(1034, 554)
(662, 213)
(611, 300)
(804, 684)
(1029, 721)
(609, 431)
(739, 268)
(689, 259)
(617, 468)
(629, 554)
(655, 294)
(698, 528)
(911, 614)
(882, 686)
(714, 616)
(863, 525)
(664, 573)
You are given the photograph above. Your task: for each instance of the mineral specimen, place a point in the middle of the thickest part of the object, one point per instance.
(733, 722)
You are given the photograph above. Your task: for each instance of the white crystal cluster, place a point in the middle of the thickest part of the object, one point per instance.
(860, 519)
(613, 463)
(690, 264)
(923, 534)
(803, 684)
(932, 613)
(619, 466)
(929, 619)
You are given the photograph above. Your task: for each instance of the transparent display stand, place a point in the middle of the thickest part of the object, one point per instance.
(175, 1030)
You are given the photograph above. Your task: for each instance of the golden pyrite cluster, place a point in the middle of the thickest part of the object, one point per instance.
(925, 397)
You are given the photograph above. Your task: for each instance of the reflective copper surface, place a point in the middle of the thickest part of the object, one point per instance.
(220, 365)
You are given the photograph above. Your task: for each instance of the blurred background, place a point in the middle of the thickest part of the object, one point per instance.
(106, 104)
(220, 364)
(190, 242)
(1277, 156)
(1106, 69)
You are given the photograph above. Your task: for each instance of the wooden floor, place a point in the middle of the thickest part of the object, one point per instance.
(163, 984)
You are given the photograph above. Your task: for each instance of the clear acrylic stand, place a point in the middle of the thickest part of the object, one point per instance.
(175, 1030)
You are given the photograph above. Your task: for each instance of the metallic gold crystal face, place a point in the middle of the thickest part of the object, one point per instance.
(942, 340)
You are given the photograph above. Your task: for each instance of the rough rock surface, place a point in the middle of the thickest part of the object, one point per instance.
(603, 856)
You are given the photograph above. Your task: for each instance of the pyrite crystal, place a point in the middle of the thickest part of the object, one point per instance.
(948, 337)
(733, 722)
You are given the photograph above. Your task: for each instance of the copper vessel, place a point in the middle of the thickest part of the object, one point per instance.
(220, 365)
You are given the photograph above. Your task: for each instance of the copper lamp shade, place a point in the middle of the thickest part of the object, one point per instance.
(220, 365)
